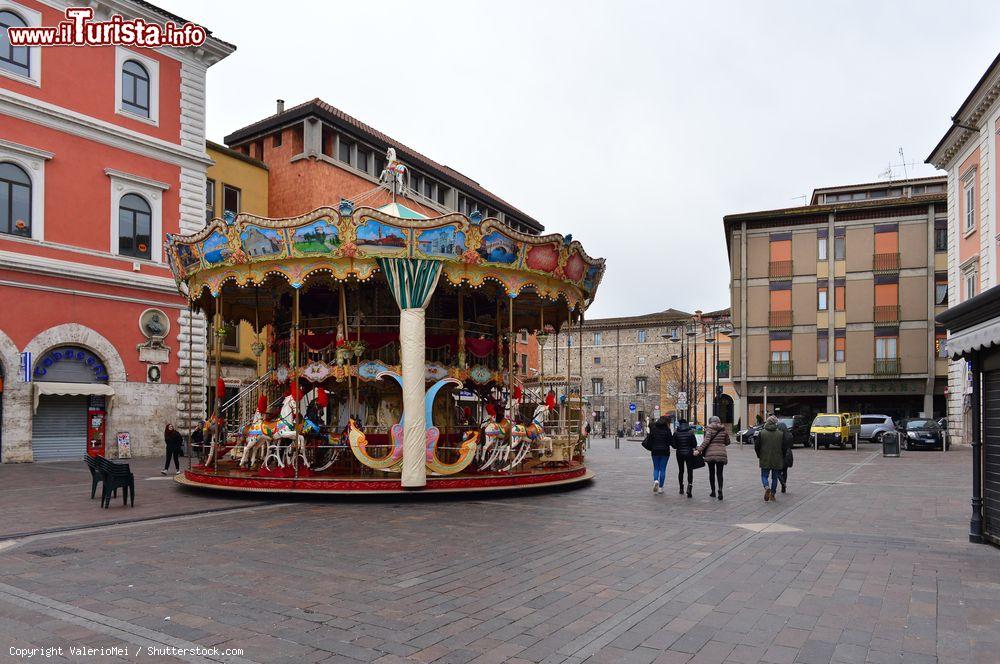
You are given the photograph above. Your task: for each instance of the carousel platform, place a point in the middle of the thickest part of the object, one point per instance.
(207, 478)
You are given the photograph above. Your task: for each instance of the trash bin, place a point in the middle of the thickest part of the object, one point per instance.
(890, 444)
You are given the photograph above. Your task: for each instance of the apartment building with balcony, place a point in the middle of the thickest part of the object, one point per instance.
(833, 302)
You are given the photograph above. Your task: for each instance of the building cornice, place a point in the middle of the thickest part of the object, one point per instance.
(966, 120)
(53, 267)
(49, 115)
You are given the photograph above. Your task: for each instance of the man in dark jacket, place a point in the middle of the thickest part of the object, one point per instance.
(787, 446)
(770, 447)
(685, 444)
(658, 442)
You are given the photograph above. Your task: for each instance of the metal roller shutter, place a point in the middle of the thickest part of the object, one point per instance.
(59, 428)
(991, 454)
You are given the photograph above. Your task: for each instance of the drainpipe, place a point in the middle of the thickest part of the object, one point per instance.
(976, 524)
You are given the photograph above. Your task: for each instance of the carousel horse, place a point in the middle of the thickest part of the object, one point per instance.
(258, 435)
(536, 430)
(214, 432)
(518, 448)
(297, 448)
(394, 171)
(285, 430)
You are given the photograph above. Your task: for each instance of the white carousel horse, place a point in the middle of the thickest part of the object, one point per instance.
(286, 431)
(536, 430)
(258, 436)
(214, 430)
(394, 170)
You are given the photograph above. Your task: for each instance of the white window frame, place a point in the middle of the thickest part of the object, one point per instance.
(32, 19)
(597, 386)
(822, 299)
(969, 194)
(153, 68)
(970, 279)
(886, 348)
(822, 247)
(641, 336)
(597, 338)
(641, 385)
(152, 191)
(32, 160)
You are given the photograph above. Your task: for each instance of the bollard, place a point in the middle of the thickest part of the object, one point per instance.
(617, 445)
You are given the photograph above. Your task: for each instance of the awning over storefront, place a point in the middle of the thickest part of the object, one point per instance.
(72, 389)
(980, 336)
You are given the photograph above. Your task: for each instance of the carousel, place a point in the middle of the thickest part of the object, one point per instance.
(388, 343)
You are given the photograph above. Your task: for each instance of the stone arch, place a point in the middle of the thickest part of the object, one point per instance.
(75, 334)
(9, 357)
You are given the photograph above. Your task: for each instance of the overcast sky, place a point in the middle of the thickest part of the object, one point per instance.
(635, 126)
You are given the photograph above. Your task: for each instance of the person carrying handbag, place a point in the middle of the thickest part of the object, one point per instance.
(685, 443)
(658, 442)
(713, 451)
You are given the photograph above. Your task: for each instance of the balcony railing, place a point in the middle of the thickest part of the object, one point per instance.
(887, 366)
(779, 368)
(779, 270)
(886, 314)
(886, 263)
(780, 319)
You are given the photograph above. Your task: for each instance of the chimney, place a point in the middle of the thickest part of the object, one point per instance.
(281, 105)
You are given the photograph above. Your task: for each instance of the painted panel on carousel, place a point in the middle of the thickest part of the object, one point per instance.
(480, 374)
(371, 369)
(590, 280)
(435, 371)
(259, 242)
(216, 249)
(376, 238)
(320, 237)
(542, 257)
(498, 248)
(575, 267)
(443, 242)
(316, 372)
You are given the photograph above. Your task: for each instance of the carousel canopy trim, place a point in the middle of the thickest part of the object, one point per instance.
(248, 249)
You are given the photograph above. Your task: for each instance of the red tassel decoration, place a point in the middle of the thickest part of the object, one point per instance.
(550, 400)
(517, 393)
(220, 388)
(295, 389)
(322, 399)
(262, 403)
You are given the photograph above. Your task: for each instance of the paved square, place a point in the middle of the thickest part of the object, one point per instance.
(866, 559)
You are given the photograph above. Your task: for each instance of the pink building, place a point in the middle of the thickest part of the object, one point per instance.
(102, 152)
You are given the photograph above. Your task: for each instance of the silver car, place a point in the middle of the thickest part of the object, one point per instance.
(873, 426)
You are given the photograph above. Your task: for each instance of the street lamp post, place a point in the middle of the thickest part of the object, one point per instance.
(710, 339)
(693, 382)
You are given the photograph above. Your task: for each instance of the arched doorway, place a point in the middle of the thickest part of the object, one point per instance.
(70, 403)
(725, 408)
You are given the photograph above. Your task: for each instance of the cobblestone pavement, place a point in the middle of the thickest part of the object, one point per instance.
(866, 559)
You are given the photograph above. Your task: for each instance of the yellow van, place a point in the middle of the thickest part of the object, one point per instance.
(835, 429)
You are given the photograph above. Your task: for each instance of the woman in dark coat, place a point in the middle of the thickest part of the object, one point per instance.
(713, 450)
(174, 442)
(685, 444)
(658, 442)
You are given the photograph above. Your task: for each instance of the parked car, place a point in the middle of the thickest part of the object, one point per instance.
(748, 436)
(799, 426)
(922, 432)
(873, 426)
(835, 429)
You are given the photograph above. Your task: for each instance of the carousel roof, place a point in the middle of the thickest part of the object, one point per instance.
(353, 243)
(401, 211)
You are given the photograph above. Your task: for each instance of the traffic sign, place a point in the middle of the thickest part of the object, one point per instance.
(631, 407)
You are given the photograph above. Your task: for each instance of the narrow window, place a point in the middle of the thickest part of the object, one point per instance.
(641, 336)
(640, 385)
(598, 386)
(363, 159)
(209, 200)
(597, 360)
(941, 291)
(839, 248)
(821, 294)
(135, 88)
(230, 199)
(15, 59)
(822, 344)
(135, 222)
(970, 207)
(940, 239)
(821, 249)
(838, 297)
(276, 140)
(597, 338)
(345, 150)
(885, 348)
(15, 200)
(839, 348)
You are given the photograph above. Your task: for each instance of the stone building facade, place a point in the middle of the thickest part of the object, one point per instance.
(616, 359)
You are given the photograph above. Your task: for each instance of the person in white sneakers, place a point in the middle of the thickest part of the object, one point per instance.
(658, 442)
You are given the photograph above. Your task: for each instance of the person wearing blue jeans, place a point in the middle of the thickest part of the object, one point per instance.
(770, 447)
(658, 443)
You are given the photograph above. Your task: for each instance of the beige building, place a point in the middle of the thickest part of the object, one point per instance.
(236, 183)
(833, 302)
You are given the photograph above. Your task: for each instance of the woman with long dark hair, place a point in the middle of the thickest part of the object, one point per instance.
(174, 442)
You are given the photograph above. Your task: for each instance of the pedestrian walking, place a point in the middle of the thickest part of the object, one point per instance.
(770, 447)
(787, 445)
(172, 439)
(685, 443)
(658, 441)
(713, 451)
